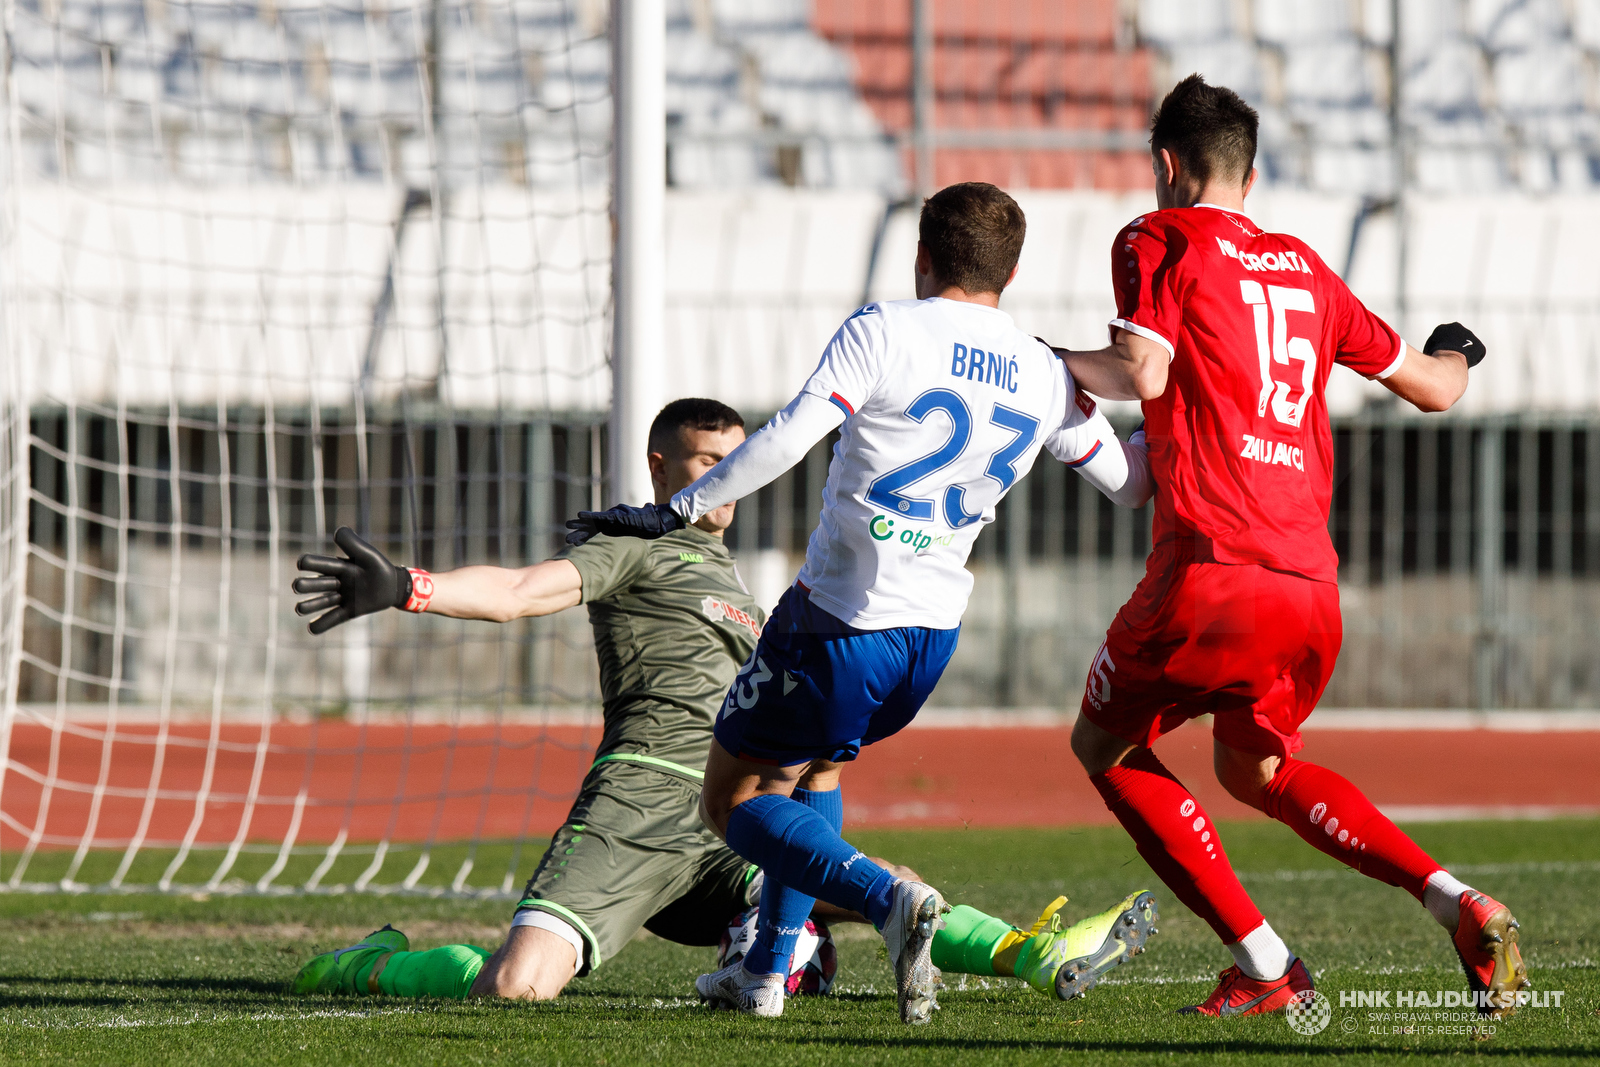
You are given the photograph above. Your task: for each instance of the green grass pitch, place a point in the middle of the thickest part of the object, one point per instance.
(146, 980)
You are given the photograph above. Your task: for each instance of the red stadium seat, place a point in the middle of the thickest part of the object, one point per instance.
(1007, 64)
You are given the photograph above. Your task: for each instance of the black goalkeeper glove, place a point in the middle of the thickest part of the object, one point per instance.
(362, 582)
(648, 522)
(1454, 337)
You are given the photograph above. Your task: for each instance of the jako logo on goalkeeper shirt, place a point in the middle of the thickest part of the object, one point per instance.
(881, 527)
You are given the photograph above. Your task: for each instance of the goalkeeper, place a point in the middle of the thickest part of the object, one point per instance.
(672, 622)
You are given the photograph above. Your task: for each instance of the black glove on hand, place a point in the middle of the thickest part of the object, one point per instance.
(1454, 337)
(360, 584)
(648, 522)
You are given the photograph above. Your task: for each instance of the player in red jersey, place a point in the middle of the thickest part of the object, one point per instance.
(1228, 333)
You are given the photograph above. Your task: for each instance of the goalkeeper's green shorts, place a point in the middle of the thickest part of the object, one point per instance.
(633, 853)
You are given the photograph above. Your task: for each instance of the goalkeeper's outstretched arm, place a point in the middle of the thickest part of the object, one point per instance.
(760, 459)
(501, 594)
(777, 446)
(363, 581)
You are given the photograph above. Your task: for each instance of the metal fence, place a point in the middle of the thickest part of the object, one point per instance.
(1469, 550)
(113, 602)
(1469, 567)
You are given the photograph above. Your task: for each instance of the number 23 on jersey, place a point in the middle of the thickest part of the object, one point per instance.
(887, 490)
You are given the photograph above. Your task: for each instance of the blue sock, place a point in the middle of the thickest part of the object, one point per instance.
(829, 805)
(784, 910)
(799, 848)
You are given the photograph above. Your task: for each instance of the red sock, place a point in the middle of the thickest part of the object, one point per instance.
(1179, 842)
(1337, 818)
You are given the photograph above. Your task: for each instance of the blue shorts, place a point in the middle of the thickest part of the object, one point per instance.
(817, 689)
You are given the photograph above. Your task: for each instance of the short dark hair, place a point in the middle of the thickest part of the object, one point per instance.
(694, 413)
(973, 232)
(1210, 129)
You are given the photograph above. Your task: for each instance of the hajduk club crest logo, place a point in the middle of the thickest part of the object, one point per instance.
(1308, 1012)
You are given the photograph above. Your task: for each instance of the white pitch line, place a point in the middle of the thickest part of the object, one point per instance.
(1445, 720)
(1535, 969)
(1325, 874)
(1505, 812)
(121, 1023)
(684, 1003)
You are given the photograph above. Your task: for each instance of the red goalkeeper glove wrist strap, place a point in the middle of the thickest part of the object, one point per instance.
(421, 590)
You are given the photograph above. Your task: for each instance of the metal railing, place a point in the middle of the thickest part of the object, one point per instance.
(1469, 567)
(1469, 548)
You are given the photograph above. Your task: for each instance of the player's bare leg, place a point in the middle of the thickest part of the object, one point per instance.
(533, 964)
(731, 781)
(1180, 843)
(1336, 818)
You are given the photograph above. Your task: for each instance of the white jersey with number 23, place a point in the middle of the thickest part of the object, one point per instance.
(946, 406)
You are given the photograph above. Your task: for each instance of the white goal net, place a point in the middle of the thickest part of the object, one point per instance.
(270, 268)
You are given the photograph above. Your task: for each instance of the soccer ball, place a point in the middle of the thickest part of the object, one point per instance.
(811, 968)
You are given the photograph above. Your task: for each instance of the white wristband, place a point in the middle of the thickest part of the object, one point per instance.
(421, 590)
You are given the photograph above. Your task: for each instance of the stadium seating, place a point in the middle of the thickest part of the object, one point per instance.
(1492, 92)
(814, 93)
(1020, 65)
(328, 92)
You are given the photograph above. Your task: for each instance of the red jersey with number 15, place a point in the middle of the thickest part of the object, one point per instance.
(1240, 447)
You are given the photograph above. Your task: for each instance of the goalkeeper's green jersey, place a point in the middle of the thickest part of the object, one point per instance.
(673, 623)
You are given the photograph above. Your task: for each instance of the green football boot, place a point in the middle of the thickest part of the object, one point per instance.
(1069, 961)
(335, 972)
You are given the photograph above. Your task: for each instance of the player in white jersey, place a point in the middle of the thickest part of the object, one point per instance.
(944, 405)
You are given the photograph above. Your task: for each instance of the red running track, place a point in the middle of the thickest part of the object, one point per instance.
(1029, 777)
(389, 781)
(442, 782)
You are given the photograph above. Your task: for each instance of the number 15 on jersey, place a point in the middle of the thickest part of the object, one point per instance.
(1275, 348)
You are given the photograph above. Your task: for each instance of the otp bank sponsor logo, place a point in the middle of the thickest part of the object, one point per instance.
(881, 527)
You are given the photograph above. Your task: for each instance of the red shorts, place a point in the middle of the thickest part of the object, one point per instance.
(1250, 646)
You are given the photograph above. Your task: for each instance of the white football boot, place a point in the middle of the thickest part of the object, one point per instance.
(734, 987)
(908, 934)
